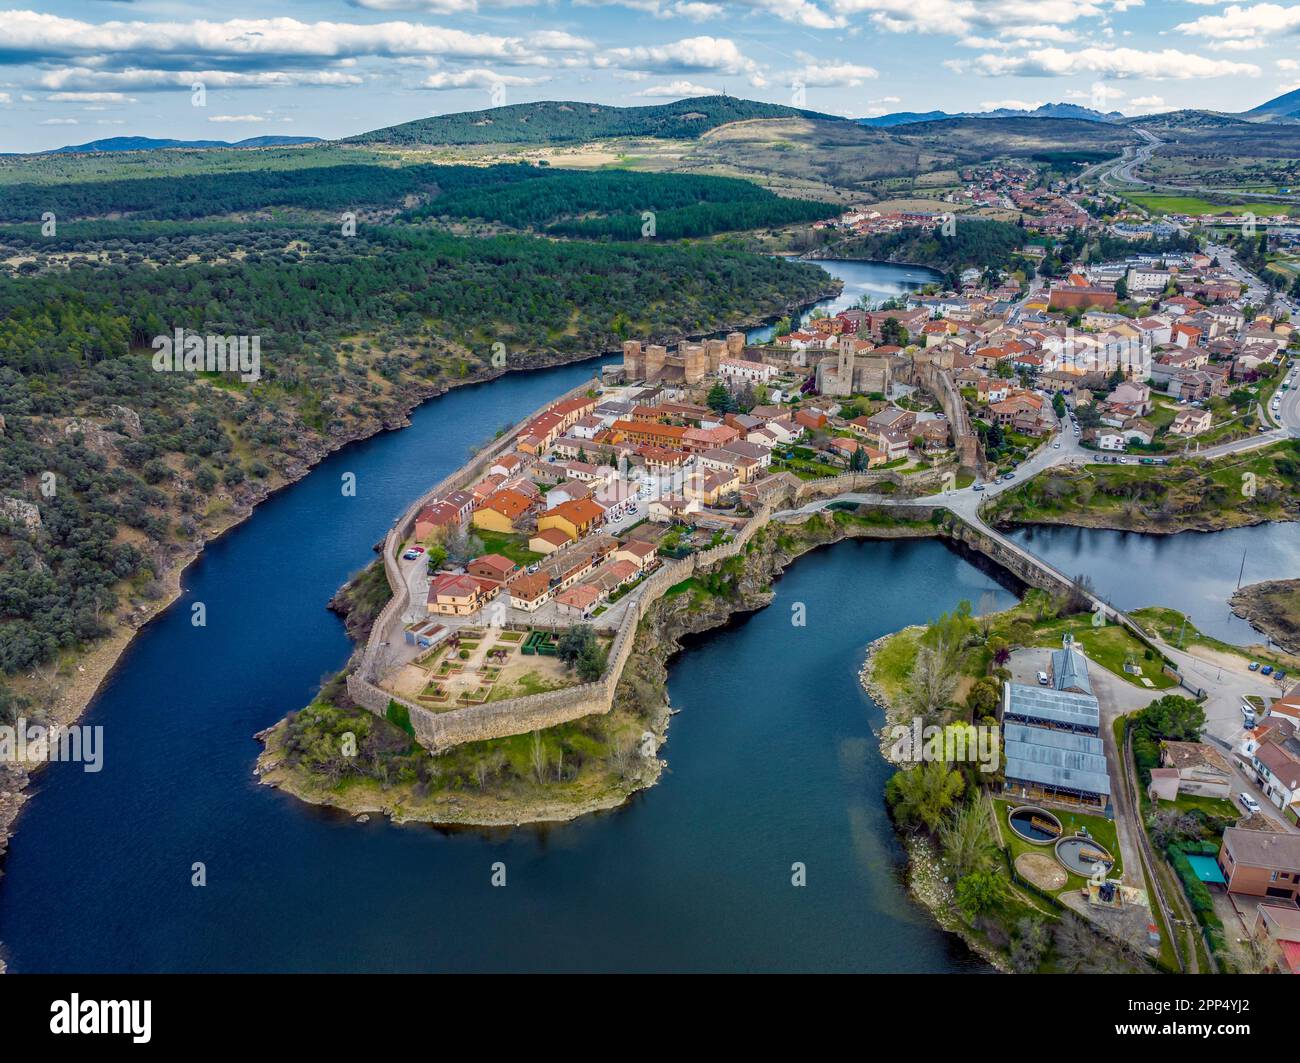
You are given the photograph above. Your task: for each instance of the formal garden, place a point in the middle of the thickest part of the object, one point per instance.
(475, 665)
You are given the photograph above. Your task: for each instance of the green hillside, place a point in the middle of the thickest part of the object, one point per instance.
(552, 121)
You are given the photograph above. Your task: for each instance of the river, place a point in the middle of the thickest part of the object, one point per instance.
(873, 281)
(771, 763)
(1193, 572)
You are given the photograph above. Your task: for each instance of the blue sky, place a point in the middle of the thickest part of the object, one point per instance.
(77, 70)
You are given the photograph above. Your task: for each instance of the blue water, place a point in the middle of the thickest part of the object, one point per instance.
(772, 762)
(873, 281)
(1193, 572)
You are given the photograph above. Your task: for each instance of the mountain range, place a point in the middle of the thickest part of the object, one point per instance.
(1047, 110)
(150, 144)
(560, 121)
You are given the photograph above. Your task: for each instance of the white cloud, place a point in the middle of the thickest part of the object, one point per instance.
(1148, 103)
(689, 55)
(476, 78)
(802, 12)
(966, 17)
(438, 7)
(1246, 44)
(91, 97)
(87, 79)
(831, 75)
(268, 43)
(1098, 94)
(236, 118)
(59, 121)
(1238, 22)
(1168, 64)
(698, 12)
(676, 90)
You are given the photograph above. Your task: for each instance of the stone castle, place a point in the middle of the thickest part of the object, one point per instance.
(689, 364)
(846, 373)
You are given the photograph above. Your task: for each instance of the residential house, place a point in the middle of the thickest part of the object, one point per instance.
(1261, 863)
(548, 541)
(577, 602)
(529, 590)
(492, 566)
(1277, 929)
(575, 518)
(1191, 422)
(639, 552)
(459, 594)
(503, 511)
(1201, 768)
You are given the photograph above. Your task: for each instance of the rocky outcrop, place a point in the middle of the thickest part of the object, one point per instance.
(20, 512)
(1272, 607)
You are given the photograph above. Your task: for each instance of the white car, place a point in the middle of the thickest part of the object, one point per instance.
(1042, 679)
(1056, 445)
(1247, 802)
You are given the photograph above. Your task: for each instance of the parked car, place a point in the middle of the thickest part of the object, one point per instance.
(978, 487)
(1042, 679)
(1279, 675)
(1056, 445)
(1248, 720)
(1266, 670)
(1254, 666)
(1247, 802)
(1010, 476)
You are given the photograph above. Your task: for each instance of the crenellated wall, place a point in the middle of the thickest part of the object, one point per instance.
(438, 731)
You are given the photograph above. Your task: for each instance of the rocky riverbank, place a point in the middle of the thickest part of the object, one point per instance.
(925, 878)
(640, 702)
(1272, 607)
(67, 699)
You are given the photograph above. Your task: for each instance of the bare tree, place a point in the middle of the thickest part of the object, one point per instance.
(539, 757)
(931, 684)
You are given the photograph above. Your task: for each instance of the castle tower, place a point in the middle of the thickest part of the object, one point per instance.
(695, 363)
(844, 367)
(716, 350)
(735, 345)
(656, 357)
(633, 360)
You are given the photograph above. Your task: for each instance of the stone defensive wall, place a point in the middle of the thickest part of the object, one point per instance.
(390, 617)
(927, 482)
(438, 731)
(940, 384)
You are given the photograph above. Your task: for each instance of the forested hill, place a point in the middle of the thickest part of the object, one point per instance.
(973, 242)
(575, 203)
(352, 331)
(555, 121)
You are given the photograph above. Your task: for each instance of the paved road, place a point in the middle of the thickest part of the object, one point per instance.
(1124, 172)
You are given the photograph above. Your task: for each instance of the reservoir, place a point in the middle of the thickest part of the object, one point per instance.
(772, 763)
(1193, 572)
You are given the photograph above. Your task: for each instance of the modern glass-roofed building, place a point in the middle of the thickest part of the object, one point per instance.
(1068, 669)
(1045, 707)
(1056, 763)
(1053, 746)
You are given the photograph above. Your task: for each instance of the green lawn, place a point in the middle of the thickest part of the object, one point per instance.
(513, 546)
(1173, 627)
(1100, 828)
(1159, 203)
(1108, 646)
